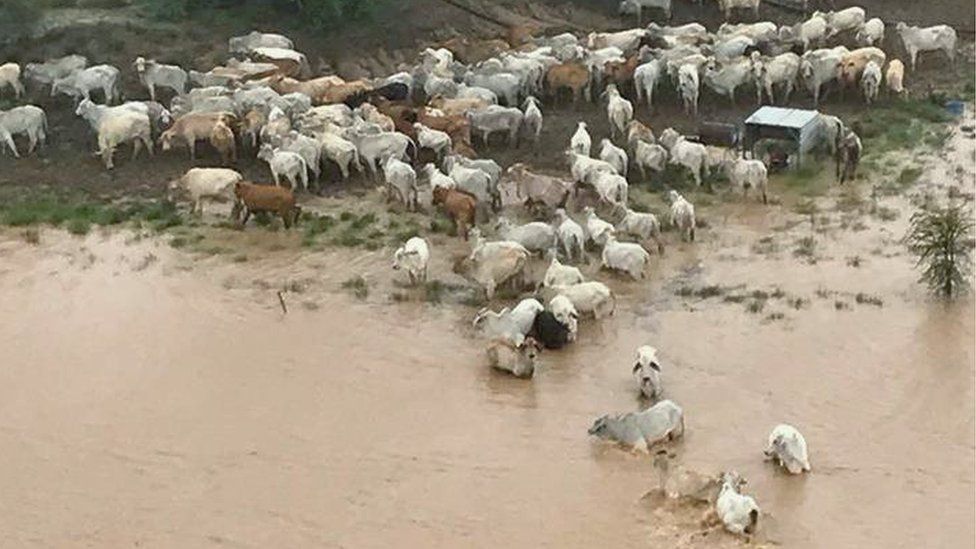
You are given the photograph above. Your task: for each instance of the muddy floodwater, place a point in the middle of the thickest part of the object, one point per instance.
(156, 399)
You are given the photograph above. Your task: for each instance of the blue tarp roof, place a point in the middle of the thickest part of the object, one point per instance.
(782, 117)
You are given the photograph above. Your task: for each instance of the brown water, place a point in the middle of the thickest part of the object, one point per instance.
(156, 399)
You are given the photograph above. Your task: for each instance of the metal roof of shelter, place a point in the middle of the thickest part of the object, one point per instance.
(782, 117)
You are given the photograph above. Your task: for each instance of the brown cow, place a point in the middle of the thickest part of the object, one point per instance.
(621, 72)
(222, 139)
(460, 207)
(312, 88)
(195, 126)
(574, 76)
(273, 199)
(470, 51)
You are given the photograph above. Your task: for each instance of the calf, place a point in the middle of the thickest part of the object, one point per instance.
(460, 207)
(519, 360)
(788, 448)
(251, 198)
(413, 257)
(647, 372)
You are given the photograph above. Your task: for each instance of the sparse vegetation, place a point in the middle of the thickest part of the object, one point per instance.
(806, 247)
(358, 286)
(862, 298)
(941, 240)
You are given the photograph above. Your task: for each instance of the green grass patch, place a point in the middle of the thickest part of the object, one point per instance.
(806, 247)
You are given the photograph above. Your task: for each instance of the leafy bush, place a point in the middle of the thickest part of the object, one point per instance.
(941, 240)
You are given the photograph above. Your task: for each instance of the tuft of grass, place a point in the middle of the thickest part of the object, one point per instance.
(705, 292)
(358, 286)
(434, 291)
(806, 207)
(854, 261)
(78, 226)
(797, 302)
(862, 298)
(756, 306)
(841, 305)
(178, 242)
(806, 247)
(364, 221)
(346, 216)
(772, 317)
(239, 258)
(31, 236)
(765, 245)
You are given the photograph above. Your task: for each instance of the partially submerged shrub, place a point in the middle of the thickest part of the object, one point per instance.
(941, 240)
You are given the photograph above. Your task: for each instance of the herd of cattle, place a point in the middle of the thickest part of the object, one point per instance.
(386, 125)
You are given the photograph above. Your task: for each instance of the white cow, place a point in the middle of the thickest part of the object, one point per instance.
(682, 215)
(767, 73)
(647, 372)
(646, 77)
(580, 143)
(49, 71)
(511, 325)
(597, 229)
(650, 155)
(532, 118)
(80, 83)
(813, 31)
(643, 226)
(565, 312)
(287, 164)
(739, 513)
(592, 297)
(619, 111)
(915, 40)
(748, 174)
(871, 32)
(871, 81)
(613, 155)
(626, 257)
(818, 67)
(519, 360)
(213, 184)
(788, 448)
(401, 180)
(558, 274)
(26, 119)
(641, 430)
(10, 76)
(849, 19)
(496, 118)
(153, 74)
(491, 264)
(689, 86)
(612, 188)
(413, 257)
(685, 153)
(535, 236)
(570, 235)
(724, 79)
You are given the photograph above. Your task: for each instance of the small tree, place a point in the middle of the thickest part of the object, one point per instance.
(941, 240)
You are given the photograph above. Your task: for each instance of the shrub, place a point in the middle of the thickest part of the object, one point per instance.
(941, 240)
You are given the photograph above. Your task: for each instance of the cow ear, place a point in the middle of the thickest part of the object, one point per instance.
(636, 367)
(656, 366)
